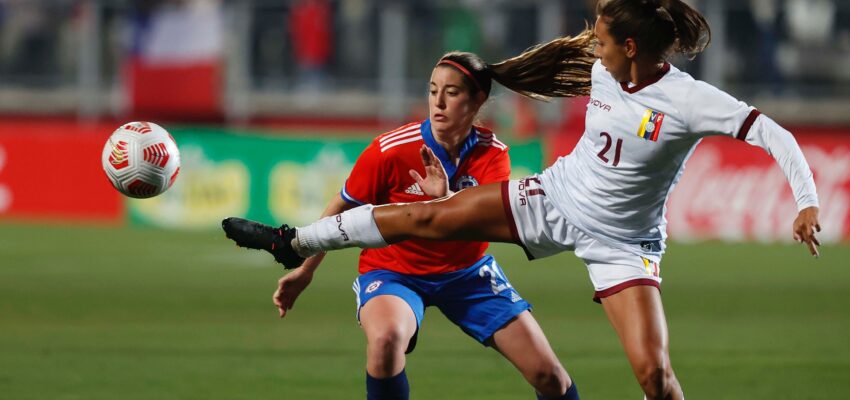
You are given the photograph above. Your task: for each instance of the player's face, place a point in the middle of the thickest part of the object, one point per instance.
(450, 106)
(613, 55)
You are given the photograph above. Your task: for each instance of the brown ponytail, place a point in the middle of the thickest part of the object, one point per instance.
(560, 68)
(659, 27)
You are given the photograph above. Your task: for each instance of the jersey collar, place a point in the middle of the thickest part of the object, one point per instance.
(467, 146)
(657, 77)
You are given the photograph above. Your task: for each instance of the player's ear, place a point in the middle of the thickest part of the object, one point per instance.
(630, 46)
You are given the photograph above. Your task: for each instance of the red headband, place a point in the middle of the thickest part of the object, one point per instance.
(463, 70)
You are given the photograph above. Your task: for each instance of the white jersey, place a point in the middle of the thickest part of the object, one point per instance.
(615, 183)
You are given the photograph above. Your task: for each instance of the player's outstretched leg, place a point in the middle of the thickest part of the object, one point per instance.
(477, 214)
(254, 235)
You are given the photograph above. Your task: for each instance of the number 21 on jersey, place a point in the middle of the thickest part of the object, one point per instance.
(603, 154)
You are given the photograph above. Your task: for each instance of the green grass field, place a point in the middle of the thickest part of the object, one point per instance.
(106, 313)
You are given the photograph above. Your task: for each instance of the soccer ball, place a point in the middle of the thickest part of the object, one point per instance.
(141, 159)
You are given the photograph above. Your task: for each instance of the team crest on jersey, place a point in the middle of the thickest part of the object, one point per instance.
(466, 181)
(373, 286)
(650, 126)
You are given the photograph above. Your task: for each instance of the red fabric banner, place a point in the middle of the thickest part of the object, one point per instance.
(187, 91)
(52, 171)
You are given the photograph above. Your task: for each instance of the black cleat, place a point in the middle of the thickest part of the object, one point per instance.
(254, 235)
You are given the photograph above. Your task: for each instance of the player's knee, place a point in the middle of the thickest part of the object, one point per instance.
(655, 378)
(551, 380)
(388, 342)
(385, 354)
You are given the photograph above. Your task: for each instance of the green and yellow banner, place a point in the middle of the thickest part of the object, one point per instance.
(264, 177)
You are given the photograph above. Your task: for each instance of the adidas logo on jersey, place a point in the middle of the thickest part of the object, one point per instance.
(415, 189)
(515, 297)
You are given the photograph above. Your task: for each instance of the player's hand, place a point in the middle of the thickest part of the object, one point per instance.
(436, 182)
(805, 227)
(289, 287)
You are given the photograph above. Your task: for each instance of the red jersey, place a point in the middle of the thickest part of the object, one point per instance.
(380, 176)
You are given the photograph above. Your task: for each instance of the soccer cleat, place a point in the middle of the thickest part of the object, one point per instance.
(254, 235)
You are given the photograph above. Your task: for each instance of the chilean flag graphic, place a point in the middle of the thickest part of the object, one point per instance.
(174, 68)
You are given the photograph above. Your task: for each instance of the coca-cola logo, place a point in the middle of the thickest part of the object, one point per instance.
(715, 199)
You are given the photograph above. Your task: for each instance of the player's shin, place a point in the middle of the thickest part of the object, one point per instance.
(392, 388)
(352, 228)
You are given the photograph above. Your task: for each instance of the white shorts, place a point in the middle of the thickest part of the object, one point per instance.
(542, 231)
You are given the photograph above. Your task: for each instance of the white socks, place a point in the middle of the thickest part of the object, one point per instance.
(353, 228)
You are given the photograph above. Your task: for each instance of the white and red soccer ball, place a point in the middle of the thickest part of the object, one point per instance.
(141, 159)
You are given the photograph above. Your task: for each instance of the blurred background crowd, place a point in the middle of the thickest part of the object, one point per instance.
(252, 59)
